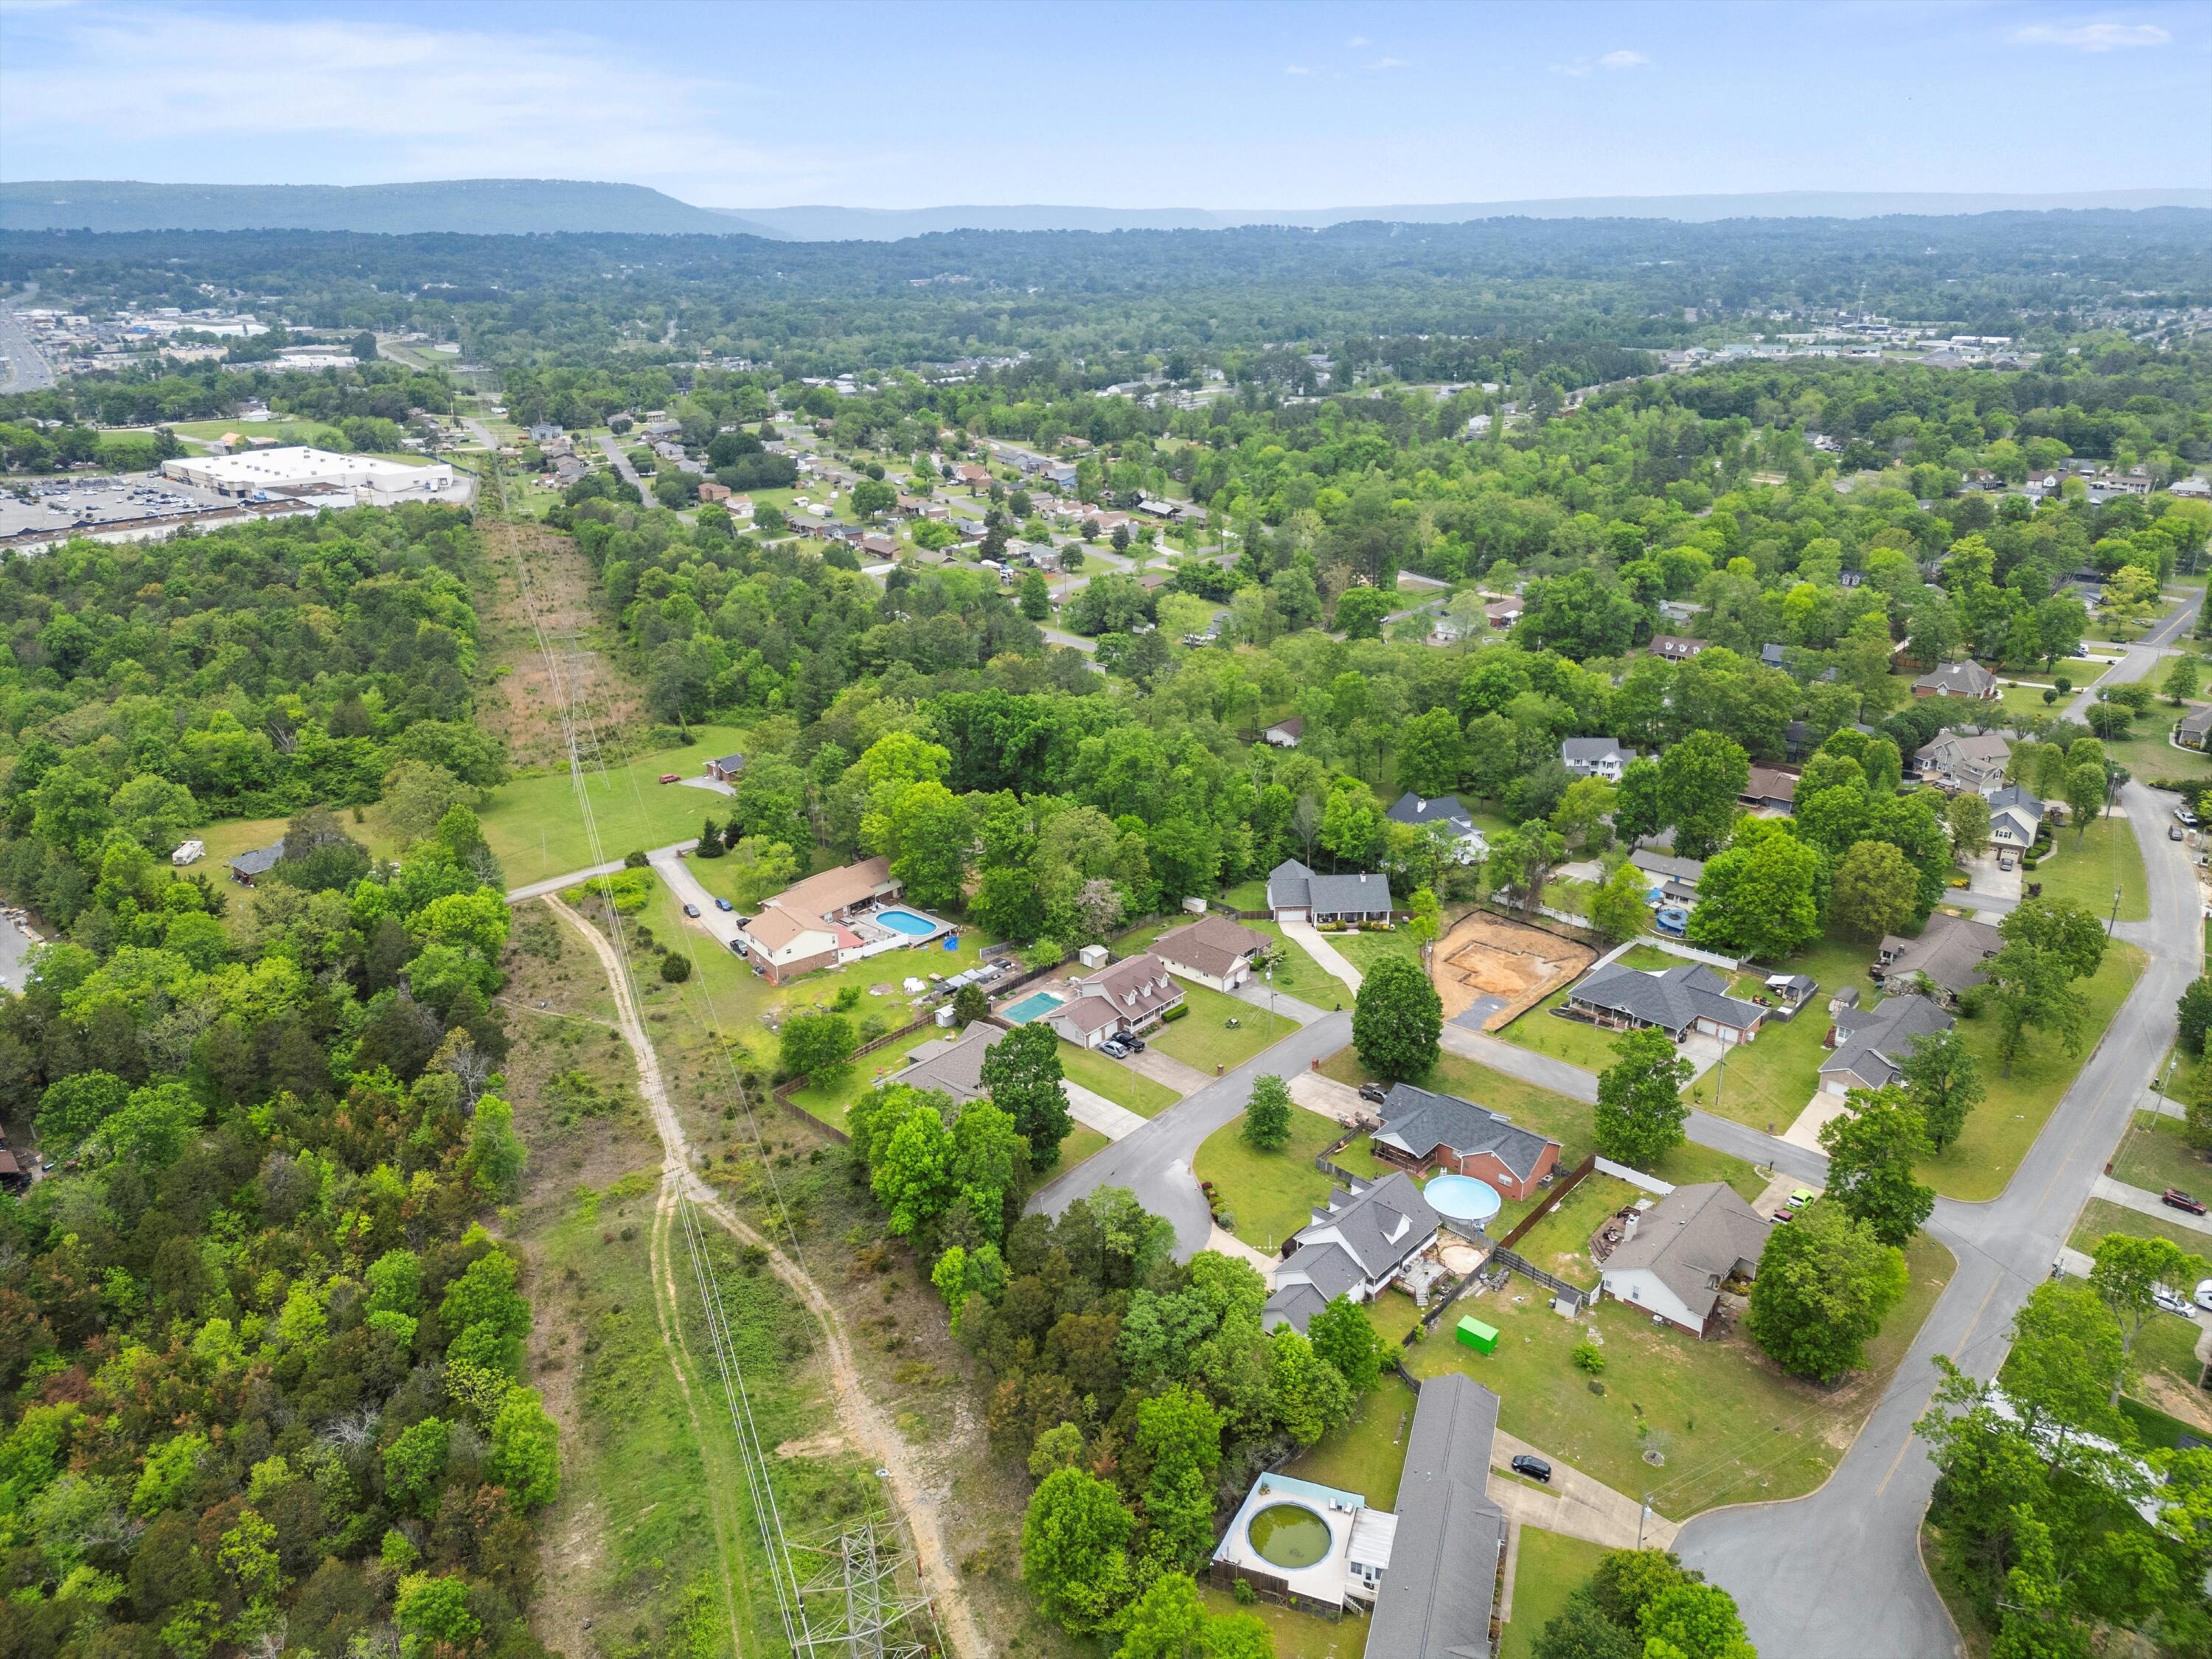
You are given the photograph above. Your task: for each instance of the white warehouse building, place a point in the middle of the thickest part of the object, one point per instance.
(297, 470)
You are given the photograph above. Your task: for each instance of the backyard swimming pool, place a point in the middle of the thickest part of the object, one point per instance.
(906, 922)
(1036, 1006)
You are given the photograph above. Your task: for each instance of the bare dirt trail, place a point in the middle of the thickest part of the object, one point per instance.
(862, 1419)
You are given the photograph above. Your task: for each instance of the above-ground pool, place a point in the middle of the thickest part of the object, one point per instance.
(1462, 1198)
(1036, 1006)
(906, 922)
(1289, 1535)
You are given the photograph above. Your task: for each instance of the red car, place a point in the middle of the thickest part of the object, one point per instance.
(2174, 1199)
(671, 777)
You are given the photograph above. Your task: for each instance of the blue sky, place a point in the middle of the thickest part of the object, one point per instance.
(1221, 105)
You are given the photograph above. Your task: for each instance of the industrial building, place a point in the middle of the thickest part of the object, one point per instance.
(297, 470)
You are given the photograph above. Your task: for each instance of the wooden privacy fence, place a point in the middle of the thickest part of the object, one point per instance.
(1549, 1202)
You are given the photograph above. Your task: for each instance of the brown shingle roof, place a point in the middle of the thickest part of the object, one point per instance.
(1211, 946)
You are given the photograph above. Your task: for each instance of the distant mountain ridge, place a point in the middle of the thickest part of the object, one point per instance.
(491, 207)
(837, 224)
(524, 206)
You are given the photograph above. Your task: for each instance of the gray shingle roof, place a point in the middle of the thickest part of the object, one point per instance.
(1871, 1042)
(954, 1064)
(1291, 885)
(1950, 950)
(1588, 751)
(1410, 808)
(1417, 1121)
(1376, 1230)
(2197, 722)
(1674, 997)
(1693, 1239)
(1436, 1599)
(259, 862)
(1958, 679)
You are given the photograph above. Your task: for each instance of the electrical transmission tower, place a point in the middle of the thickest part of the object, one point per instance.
(862, 1600)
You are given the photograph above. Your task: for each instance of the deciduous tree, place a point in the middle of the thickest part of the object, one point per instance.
(1874, 890)
(1872, 1150)
(1944, 1081)
(1397, 1019)
(1640, 1112)
(1825, 1281)
(1021, 1074)
(2127, 1274)
(1268, 1115)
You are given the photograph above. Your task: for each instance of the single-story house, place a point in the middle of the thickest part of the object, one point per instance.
(2194, 729)
(969, 473)
(1674, 647)
(1354, 1247)
(711, 491)
(1949, 952)
(804, 927)
(1872, 1044)
(1964, 760)
(726, 770)
(1594, 757)
(1957, 679)
(1213, 950)
(1285, 734)
(1503, 613)
(1128, 995)
(246, 867)
(2015, 816)
(1468, 843)
(1772, 655)
(1422, 1130)
(1677, 878)
(1675, 1001)
(952, 1065)
(1681, 1251)
(1297, 894)
(1769, 789)
(1439, 1588)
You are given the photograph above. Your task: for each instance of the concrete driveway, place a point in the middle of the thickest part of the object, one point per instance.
(1574, 1503)
(721, 926)
(2150, 1204)
(1327, 957)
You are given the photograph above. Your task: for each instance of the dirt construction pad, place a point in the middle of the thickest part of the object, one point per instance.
(1486, 957)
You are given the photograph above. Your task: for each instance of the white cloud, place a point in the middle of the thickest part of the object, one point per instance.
(2091, 37)
(1388, 64)
(1358, 40)
(1296, 69)
(415, 102)
(1620, 60)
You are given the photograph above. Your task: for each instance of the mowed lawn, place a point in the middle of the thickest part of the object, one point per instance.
(1999, 1131)
(1550, 1566)
(1205, 1038)
(2100, 1216)
(1730, 1424)
(535, 826)
(1116, 1082)
(1269, 1196)
(1364, 951)
(1544, 1032)
(2087, 866)
(1768, 1081)
(2156, 1155)
(1559, 1244)
(1367, 1453)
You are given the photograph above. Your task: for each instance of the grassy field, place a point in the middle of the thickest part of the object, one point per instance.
(2100, 1216)
(1298, 974)
(1116, 1082)
(1550, 1566)
(536, 828)
(2086, 866)
(832, 1104)
(1559, 1244)
(1270, 1195)
(2155, 1155)
(1730, 1426)
(1366, 1454)
(1999, 1131)
(284, 430)
(1204, 1037)
(1364, 951)
(1541, 1032)
(1297, 1635)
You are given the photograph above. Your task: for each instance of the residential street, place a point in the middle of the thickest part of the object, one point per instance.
(1837, 1575)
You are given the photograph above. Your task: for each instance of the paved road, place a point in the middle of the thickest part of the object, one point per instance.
(27, 369)
(2140, 659)
(1837, 1575)
(1155, 1161)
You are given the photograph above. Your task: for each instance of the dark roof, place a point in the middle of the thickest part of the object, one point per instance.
(1674, 997)
(1436, 1599)
(729, 762)
(1410, 808)
(1417, 1121)
(259, 862)
(954, 1064)
(1291, 885)
(2196, 722)
(1950, 950)
(1373, 1232)
(1871, 1042)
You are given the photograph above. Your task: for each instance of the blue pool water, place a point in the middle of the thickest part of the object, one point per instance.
(905, 921)
(1036, 1006)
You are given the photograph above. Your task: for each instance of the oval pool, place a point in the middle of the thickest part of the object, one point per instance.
(906, 922)
(1289, 1535)
(1462, 1198)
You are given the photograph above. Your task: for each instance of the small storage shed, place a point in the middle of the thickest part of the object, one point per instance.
(1474, 1333)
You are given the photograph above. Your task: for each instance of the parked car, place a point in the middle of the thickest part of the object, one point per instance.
(692, 911)
(1801, 1196)
(724, 904)
(671, 777)
(1784, 1214)
(1115, 1049)
(2204, 1294)
(2174, 1199)
(2004, 860)
(1373, 1093)
(1132, 1042)
(2182, 815)
(2172, 1301)
(2174, 832)
(1535, 1467)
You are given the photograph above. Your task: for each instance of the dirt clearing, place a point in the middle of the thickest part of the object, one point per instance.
(1486, 958)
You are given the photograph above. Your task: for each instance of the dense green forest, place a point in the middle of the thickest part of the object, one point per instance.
(261, 1363)
(1626, 283)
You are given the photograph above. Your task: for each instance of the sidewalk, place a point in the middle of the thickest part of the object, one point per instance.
(1327, 957)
